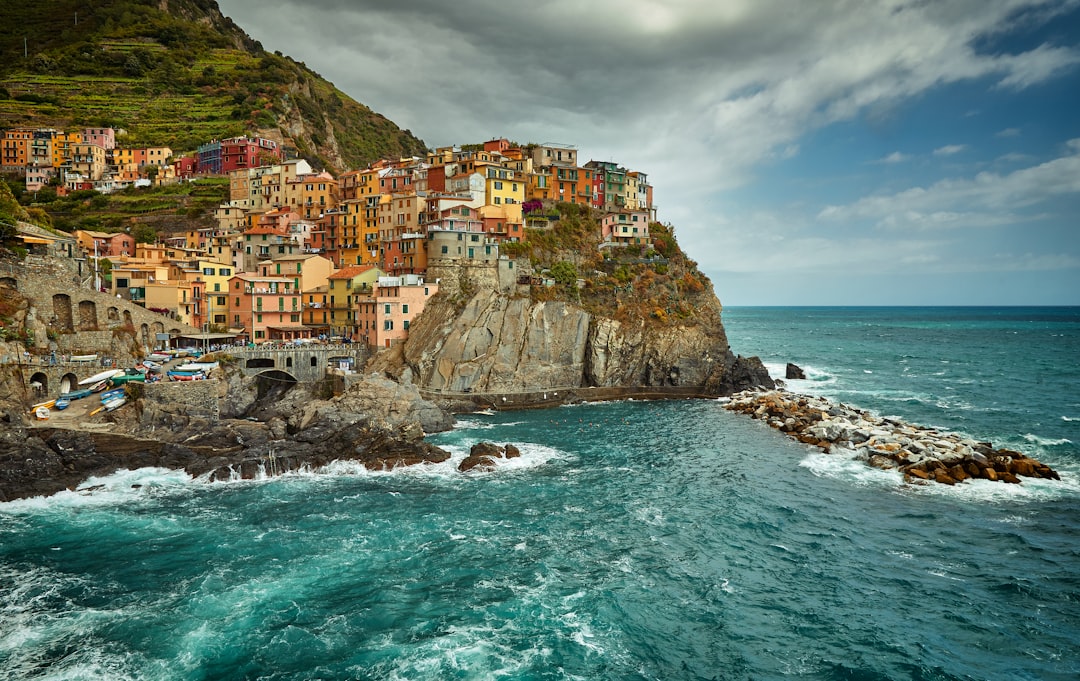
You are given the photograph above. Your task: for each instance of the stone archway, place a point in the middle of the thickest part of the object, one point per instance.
(113, 314)
(144, 335)
(62, 311)
(88, 316)
(39, 383)
(127, 318)
(69, 383)
(275, 383)
(156, 328)
(9, 282)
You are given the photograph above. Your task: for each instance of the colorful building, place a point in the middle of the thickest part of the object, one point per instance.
(383, 319)
(266, 308)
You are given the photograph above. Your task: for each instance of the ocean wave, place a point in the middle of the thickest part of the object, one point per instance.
(844, 465)
(1070, 419)
(119, 487)
(1046, 442)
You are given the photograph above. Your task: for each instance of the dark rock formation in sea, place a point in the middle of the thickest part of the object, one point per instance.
(920, 453)
(485, 456)
(794, 372)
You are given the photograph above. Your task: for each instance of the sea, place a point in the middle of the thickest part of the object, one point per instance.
(631, 540)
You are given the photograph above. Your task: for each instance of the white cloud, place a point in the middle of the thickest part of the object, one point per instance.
(987, 199)
(895, 157)
(949, 149)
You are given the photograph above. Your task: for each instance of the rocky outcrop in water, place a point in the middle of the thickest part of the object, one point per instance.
(920, 453)
(43, 461)
(486, 456)
(490, 338)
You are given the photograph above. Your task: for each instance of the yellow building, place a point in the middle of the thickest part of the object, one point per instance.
(63, 147)
(502, 186)
(347, 287)
(88, 160)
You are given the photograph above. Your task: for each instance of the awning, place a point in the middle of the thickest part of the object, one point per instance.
(207, 336)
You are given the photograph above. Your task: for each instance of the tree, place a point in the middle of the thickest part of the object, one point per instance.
(144, 233)
(564, 273)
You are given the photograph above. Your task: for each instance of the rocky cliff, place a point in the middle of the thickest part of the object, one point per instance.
(637, 320)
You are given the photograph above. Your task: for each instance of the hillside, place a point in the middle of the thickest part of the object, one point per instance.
(176, 73)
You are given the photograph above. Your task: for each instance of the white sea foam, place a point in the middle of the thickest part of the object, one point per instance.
(1046, 442)
(843, 465)
(119, 487)
(1069, 419)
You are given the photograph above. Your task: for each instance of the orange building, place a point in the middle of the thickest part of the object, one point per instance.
(267, 308)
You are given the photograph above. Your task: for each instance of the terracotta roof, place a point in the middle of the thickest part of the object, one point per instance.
(351, 271)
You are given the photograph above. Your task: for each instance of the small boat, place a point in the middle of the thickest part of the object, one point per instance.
(103, 376)
(42, 413)
(48, 405)
(99, 386)
(115, 403)
(128, 376)
(62, 403)
(83, 358)
(76, 394)
(158, 357)
(197, 366)
(186, 375)
(112, 394)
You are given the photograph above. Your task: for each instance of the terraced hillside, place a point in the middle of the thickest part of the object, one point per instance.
(176, 73)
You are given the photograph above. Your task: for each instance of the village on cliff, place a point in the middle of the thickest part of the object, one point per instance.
(299, 254)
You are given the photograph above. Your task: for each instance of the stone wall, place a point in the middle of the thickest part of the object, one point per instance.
(190, 398)
(81, 320)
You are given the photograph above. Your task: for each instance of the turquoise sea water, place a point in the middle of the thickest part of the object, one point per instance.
(630, 541)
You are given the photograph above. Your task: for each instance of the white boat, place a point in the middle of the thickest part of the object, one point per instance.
(103, 376)
(42, 413)
(115, 403)
(197, 366)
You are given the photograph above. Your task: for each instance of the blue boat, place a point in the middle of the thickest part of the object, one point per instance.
(62, 403)
(77, 394)
(112, 394)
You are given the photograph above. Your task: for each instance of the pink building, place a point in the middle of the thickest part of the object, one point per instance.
(397, 301)
(625, 228)
(102, 137)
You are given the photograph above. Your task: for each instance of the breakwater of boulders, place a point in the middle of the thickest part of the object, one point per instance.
(920, 453)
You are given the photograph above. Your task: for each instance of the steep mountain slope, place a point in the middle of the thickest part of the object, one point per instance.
(176, 73)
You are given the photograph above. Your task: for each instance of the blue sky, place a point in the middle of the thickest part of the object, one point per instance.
(896, 152)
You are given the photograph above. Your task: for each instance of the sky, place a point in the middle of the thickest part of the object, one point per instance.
(834, 152)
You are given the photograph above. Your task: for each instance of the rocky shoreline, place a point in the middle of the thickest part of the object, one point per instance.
(922, 454)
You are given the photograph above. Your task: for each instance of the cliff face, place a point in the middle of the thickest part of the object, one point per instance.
(500, 339)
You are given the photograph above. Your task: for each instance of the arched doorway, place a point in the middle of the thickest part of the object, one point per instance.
(68, 383)
(62, 312)
(39, 383)
(88, 316)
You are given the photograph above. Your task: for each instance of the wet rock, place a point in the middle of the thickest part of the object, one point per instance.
(924, 453)
(792, 371)
(485, 456)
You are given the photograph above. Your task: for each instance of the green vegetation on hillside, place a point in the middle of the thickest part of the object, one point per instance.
(145, 211)
(654, 282)
(178, 78)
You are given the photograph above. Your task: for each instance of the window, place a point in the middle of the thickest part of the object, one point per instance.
(237, 302)
(258, 318)
(386, 308)
(498, 185)
(388, 325)
(404, 309)
(445, 249)
(221, 300)
(224, 271)
(217, 286)
(208, 271)
(405, 325)
(280, 303)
